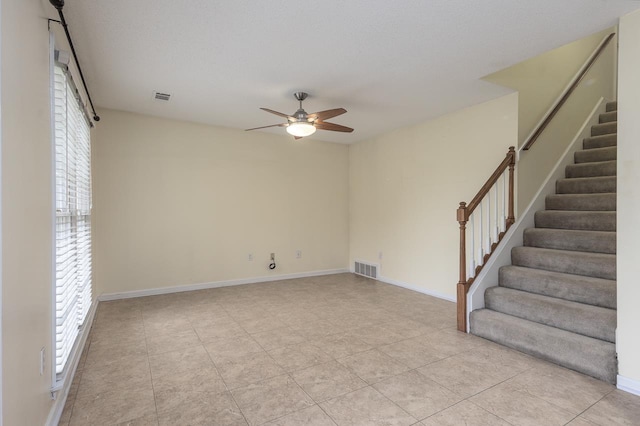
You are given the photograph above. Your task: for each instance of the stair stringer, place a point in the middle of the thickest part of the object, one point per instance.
(488, 276)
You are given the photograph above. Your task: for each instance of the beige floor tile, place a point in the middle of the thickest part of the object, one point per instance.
(328, 380)
(151, 420)
(317, 329)
(299, 356)
(205, 313)
(312, 416)
(376, 335)
(270, 399)
(278, 338)
(341, 345)
(451, 342)
(172, 324)
(617, 408)
(412, 352)
(189, 359)
(229, 347)
(472, 372)
(416, 394)
(171, 342)
(206, 379)
(259, 325)
(99, 351)
(567, 389)
(518, 407)
(113, 407)
(366, 407)
(117, 333)
(464, 413)
(373, 366)
(408, 328)
(209, 332)
(580, 421)
(250, 368)
(123, 373)
(197, 409)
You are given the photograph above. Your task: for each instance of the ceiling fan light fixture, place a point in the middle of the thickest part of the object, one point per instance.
(301, 129)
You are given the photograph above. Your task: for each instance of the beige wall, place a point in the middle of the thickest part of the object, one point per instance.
(178, 203)
(405, 187)
(539, 81)
(26, 216)
(628, 344)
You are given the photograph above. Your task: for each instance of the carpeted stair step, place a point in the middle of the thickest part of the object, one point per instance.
(596, 154)
(604, 128)
(590, 185)
(612, 106)
(608, 117)
(590, 356)
(568, 239)
(600, 141)
(598, 265)
(579, 220)
(589, 202)
(599, 168)
(588, 320)
(577, 288)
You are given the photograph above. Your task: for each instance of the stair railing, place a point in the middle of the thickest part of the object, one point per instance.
(533, 137)
(484, 222)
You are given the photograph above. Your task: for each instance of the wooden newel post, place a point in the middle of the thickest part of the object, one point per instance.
(512, 163)
(462, 218)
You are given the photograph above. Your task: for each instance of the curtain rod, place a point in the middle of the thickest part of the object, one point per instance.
(59, 4)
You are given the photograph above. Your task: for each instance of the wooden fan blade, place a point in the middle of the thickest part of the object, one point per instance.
(325, 115)
(297, 137)
(330, 126)
(264, 127)
(287, 116)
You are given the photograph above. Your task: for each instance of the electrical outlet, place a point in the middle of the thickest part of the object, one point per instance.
(250, 257)
(299, 254)
(42, 360)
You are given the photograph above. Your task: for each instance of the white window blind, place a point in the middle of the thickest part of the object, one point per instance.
(73, 216)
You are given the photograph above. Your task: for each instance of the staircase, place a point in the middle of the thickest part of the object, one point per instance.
(557, 299)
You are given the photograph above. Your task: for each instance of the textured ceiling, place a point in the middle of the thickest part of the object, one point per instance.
(389, 63)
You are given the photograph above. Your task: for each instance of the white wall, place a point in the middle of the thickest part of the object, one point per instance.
(539, 82)
(405, 187)
(628, 344)
(179, 203)
(26, 215)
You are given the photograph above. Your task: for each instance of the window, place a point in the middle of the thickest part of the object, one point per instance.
(73, 215)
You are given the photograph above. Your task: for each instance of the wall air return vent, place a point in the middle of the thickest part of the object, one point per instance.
(159, 96)
(366, 270)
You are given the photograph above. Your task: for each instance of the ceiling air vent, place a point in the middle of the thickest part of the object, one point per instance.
(159, 96)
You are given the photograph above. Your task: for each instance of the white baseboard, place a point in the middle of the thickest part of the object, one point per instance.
(216, 284)
(60, 392)
(417, 289)
(628, 385)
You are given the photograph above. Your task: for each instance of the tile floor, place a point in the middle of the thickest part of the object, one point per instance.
(331, 350)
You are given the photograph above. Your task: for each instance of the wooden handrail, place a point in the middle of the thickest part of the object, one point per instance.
(576, 81)
(462, 216)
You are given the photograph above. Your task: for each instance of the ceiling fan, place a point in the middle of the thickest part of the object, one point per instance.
(301, 124)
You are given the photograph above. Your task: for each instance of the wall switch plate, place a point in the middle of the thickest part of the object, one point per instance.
(299, 254)
(250, 257)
